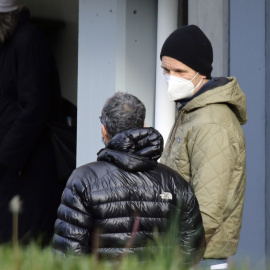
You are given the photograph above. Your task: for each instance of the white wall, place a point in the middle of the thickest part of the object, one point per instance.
(96, 71)
(117, 50)
(66, 43)
(164, 109)
(141, 38)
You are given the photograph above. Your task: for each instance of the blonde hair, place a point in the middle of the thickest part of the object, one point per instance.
(8, 22)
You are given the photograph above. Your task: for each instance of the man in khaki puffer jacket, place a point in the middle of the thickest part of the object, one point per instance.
(206, 144)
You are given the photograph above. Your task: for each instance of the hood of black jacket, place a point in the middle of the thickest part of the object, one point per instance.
(134, 150)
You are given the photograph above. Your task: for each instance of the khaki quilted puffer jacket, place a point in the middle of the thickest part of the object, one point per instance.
(207, 147)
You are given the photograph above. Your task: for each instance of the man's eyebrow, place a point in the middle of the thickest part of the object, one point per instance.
(174, 69)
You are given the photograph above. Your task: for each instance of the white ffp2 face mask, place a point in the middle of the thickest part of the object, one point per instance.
(180, 88)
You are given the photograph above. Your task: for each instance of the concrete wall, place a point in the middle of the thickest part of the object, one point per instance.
(213, 18)
(96, 70)
(141, 38)
(64, 15)
(117, 51)
(164, 109)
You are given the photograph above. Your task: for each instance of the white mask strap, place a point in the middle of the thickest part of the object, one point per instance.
(194, 76)
(198, 84)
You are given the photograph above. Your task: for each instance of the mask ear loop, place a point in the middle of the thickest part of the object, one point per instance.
(198, 84)
(194, 76)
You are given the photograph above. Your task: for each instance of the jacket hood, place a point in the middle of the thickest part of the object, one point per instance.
(134, 150)
(229, 93)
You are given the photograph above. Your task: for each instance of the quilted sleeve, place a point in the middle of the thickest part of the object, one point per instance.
(74, 225)
(211, 159)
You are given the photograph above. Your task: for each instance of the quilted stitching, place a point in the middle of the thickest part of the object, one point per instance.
(212, 139)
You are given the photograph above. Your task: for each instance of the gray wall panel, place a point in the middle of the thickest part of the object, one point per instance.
(267, 109)
(247, 63)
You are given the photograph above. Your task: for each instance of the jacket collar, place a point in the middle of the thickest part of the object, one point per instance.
(223, 90)
(134, 150)
(181, 103)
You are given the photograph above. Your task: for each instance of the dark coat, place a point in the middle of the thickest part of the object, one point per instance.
(126, 184)
(30, 96)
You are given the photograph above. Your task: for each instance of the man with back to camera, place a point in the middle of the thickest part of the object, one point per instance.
(127, 184)
(206, 144)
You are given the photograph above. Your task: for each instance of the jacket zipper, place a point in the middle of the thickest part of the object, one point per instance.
(173, 132)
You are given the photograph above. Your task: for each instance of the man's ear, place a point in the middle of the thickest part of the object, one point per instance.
(105, 135)
(144, 125)
(104, 132)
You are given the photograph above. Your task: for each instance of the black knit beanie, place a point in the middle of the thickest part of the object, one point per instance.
(189, 45)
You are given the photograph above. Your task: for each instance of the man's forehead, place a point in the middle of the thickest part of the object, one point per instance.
(173, 64)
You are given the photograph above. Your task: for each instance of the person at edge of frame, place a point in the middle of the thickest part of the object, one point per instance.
(206, 145)
(30, 97)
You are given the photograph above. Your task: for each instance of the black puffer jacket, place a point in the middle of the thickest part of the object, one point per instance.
(126, 190)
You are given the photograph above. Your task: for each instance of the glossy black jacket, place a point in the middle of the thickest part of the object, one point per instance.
(126, 191)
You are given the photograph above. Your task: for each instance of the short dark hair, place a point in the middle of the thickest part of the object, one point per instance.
(121, 112)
